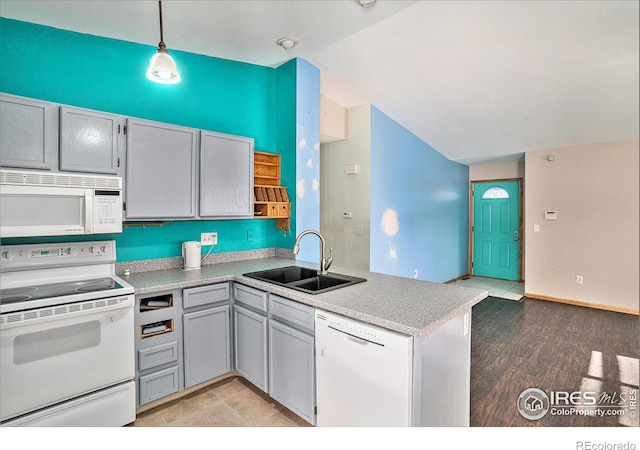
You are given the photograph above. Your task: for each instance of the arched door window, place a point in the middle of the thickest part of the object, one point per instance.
(495, 192)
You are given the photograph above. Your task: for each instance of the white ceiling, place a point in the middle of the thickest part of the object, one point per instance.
(479, 81)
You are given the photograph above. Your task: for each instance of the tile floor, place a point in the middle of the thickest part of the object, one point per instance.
(233, 402)
(510, 290)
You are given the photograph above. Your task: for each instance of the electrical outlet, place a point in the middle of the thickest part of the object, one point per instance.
(249, 235)
(208, 238)
(579, 279)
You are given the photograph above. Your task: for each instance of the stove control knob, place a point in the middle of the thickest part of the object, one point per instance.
(91, 249)
(103, 249)
(8, 254)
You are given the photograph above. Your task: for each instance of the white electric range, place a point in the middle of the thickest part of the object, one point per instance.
(66, 336)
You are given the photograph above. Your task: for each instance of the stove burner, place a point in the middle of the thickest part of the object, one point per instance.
(14, 299)
(20, 290)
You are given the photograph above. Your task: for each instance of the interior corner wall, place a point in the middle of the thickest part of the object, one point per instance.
(285, 118)
(307, 193)
(594, 191)
(419, 206)
(342, 192)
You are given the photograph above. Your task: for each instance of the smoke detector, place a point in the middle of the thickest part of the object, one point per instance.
(287, 42)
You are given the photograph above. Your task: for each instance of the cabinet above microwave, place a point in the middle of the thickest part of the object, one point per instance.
(36, 134)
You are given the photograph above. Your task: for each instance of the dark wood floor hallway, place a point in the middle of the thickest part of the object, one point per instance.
(552, 347)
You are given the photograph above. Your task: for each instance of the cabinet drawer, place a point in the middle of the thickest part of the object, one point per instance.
(157, 355)
(296, 314)
(251, 297)
(158, 384)
(205, 295)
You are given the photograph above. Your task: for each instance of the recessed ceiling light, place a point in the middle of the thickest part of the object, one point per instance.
(366, 3)
(287, 42)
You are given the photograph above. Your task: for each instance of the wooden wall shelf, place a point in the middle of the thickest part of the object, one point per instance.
(270, 200)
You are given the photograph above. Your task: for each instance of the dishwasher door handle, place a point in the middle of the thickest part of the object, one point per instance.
(355, 338)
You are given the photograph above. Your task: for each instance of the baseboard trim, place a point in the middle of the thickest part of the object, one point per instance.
(634, 312)
(461, 277)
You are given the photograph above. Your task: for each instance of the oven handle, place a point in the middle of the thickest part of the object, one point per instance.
(27, 318)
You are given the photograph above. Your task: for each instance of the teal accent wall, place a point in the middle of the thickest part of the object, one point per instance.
(419, 206)
(109, 75)
(286, 141)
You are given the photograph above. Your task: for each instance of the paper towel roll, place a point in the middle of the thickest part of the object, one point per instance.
(191, 255)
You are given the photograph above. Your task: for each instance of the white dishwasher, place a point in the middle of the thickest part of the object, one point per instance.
(363, 374)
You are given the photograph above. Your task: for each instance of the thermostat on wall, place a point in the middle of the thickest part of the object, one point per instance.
(550, 215)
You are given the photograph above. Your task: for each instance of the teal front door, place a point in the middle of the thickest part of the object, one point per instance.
(496, 230)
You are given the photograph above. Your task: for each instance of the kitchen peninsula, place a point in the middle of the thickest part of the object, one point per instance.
(435, 317)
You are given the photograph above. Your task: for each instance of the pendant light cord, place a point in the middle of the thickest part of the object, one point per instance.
(162, 44)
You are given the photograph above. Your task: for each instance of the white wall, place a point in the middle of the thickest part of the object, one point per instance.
(497, 171)
(594, 189)
(340, 192)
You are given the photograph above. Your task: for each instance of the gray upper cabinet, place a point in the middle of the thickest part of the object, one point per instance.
(160, 171)
(25, 133)
(89, 141)
(226, 175)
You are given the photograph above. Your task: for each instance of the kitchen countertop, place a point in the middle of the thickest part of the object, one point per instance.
(408, 306)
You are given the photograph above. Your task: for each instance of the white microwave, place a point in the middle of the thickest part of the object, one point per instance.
(58, 204)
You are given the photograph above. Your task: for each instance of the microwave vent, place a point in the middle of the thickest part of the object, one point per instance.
(59, 180)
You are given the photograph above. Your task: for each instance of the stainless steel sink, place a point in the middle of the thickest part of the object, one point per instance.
(305, 279)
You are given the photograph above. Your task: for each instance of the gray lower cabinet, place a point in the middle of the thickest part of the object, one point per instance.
(207, 333)
(292, 356)
(160, 171)
(158, 329)
(250, 332)
(26, 133)
(89, 141)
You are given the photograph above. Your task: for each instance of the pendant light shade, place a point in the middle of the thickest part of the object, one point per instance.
(162, 68)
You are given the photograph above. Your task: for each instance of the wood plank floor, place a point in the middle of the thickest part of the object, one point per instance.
(552, 347)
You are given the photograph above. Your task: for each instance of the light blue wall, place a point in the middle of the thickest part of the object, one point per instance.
(109, 75)
(419, 206)
(307, 191)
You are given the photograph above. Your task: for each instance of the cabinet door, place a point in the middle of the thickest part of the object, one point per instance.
(207, 345)
(88, 141)
(161, 171)
(25, 133)
(292, 369)
(226, 175)
(250, 331)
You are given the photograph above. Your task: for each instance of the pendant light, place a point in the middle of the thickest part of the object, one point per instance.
(162, 68)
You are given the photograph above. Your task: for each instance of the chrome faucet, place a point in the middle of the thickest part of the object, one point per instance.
(325, 263)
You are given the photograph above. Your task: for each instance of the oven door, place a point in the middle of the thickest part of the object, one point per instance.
(50, 355)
